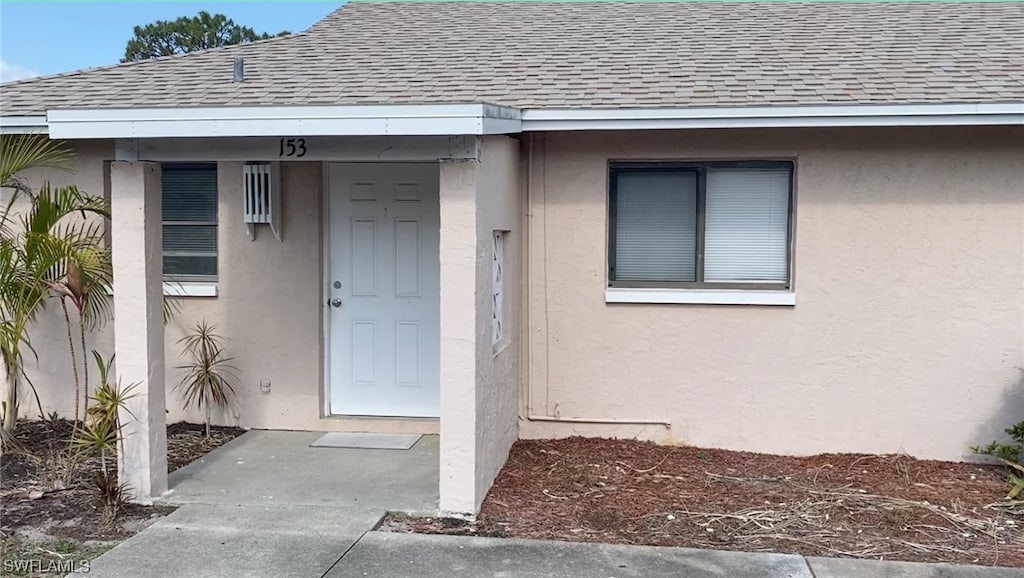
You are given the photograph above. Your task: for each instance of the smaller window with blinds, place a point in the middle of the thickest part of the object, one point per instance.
(701, 225)
(189, 205)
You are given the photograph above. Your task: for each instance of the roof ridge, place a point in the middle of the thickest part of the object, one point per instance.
(195, 53)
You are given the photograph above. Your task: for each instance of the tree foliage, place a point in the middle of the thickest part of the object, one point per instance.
(188, 34)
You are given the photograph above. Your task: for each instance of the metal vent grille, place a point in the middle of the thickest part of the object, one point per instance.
(258, 191)
(261, 197)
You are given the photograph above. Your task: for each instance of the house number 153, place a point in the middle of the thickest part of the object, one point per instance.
(292, 147)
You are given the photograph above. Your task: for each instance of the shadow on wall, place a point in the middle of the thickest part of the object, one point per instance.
(1009, 412)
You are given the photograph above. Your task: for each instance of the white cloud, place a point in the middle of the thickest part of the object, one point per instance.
(9, 72)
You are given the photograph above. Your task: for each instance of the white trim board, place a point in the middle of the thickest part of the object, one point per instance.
(322, 148)
(23, 124)
(699, 296)
(190, 289)
(187, 289)
(482, 119)
(277, 121)
(774, 117)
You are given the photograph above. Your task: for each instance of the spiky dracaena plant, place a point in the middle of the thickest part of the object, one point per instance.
(100, 434)
(209, 373)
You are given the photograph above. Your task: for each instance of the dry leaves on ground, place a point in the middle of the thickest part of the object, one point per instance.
(45, 491)
(865, 506)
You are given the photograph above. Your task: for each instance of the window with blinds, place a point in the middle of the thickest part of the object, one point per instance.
(190, 220)
(700, 225)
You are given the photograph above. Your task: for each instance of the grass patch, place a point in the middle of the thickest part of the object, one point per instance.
(24, 558)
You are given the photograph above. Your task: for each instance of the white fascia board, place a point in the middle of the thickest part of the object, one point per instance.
(317, 148)
(297, 121)
(23, 124)
(773, 117)
(483, 119)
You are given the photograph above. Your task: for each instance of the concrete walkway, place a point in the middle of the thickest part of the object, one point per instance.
(287, 541)
(265, 468)
(219, 541)
(418, 555)
(267, 505)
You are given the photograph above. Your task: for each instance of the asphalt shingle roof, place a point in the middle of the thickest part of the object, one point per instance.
(585, 55)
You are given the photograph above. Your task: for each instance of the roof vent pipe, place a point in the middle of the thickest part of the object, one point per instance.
(239, 69)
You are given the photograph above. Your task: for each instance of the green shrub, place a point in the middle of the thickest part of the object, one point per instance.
(1011, 454)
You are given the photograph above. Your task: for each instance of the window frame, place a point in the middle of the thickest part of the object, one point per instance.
(616, 168)
(191, 278)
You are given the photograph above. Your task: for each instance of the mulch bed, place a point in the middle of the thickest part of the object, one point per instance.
(37, 507)
(890, 507)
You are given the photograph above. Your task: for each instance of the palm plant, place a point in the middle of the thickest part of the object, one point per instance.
(19, 153)
(21, 296)
(208, 375)
(83, 277)
(40, 255)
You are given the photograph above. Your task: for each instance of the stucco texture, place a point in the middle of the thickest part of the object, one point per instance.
(497, 365)
(908, 329)
(480, 380)
(457, 480)
(268, 308)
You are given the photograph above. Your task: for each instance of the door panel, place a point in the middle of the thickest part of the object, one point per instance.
(384, 352)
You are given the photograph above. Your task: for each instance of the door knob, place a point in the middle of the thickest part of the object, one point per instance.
(336, 302)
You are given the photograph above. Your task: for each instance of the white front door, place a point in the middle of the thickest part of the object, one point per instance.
(384, 289)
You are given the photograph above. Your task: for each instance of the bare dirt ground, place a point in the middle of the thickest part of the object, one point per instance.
(890, 507)
(46, 514)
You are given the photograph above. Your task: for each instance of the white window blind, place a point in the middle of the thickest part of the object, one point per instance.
(189, 205)
(746, 222)
(656, 226)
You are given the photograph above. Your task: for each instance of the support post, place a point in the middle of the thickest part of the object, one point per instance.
(136, 246)
(458, 339)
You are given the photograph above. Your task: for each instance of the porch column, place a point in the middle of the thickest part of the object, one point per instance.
(138, 324)
(458, 338)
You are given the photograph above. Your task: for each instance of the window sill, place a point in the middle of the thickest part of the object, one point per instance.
(190, 289)
(700, 296)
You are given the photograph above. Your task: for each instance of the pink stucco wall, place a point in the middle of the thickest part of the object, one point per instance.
(497, 365)
(908, 329)
(268, 307)
(907, 333)
(479, 380)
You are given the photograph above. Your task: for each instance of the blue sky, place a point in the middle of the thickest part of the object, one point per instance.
(47, 36)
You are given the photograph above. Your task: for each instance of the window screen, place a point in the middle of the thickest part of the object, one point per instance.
(190, 220)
